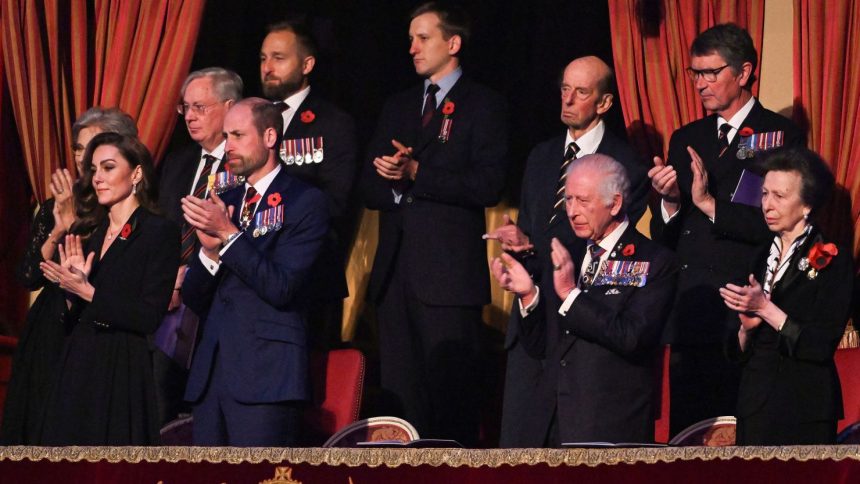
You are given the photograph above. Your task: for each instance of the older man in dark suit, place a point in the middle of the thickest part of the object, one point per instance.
(320, 148)
(586, 96)
(597, 325)
(249, 376)
(205, 97)
(438, 158)
(714, 232)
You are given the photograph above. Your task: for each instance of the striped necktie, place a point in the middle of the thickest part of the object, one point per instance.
(429, 105)
(188, 237)
(569, 156)
(591, 271)
(723, 137)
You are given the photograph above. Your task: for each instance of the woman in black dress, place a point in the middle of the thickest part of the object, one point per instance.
(41, 341)
(793, 312)
(118, 285)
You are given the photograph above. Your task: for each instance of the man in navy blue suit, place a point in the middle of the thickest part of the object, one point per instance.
(249, 375)
(438, 158)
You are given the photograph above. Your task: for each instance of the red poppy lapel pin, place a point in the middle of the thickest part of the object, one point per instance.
(307, 116)
(628, 250)
(274, 199)
(818, 258)
(125, 232)
(746, 131)
(447, 110)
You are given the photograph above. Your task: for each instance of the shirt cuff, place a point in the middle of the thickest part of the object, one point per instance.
(210, 265)
(665, 214)
(230, 242)
(525, 311)
(568, 302)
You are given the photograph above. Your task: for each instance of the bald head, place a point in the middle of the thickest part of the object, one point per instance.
(585, 94)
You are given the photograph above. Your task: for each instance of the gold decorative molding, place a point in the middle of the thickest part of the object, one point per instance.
(283, 475)
(433, 457)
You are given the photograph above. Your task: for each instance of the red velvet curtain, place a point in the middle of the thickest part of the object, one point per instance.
(827, 100)
(650, 44)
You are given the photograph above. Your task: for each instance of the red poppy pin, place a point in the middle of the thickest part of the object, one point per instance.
(818, 258)
(274, 199)
(448, 108)
(628, 250)
(125, 232)
(308, 116)
(746, 131)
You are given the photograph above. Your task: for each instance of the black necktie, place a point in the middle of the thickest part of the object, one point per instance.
(429, 105)
(569, 156)
(723, 137)
(251, 198)
(199, 191)
(588, 276)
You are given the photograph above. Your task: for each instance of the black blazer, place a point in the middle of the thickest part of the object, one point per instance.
(175, 176)
(439, 221)
(599, 368)
(795, 366)
(335, 176)
(713, 253)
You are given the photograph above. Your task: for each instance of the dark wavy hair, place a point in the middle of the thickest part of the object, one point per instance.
(816, 180)
(88, 210)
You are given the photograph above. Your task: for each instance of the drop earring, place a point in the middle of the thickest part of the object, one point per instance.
(134, 188)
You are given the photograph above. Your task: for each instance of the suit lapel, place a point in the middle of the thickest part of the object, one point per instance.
(553, 171)
(297, 128)
(792, 273)
(427, 140)
(120, 244)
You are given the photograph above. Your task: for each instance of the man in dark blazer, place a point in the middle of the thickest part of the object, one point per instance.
(586, 96)
(437, 161)
(320, 148)
(596, 320)
(697, 187)
(249, 375)
(205, 97)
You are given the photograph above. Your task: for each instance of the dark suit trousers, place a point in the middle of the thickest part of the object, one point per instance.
(429, 358)
(220, 420)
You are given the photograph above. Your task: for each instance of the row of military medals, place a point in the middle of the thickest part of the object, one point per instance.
(302, 151)
(269, 220)
(224, 180)
(748, 145)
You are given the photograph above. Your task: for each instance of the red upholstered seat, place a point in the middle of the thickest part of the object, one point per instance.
(848, 367)
(7, 349)
(661, 419)
(338, 383)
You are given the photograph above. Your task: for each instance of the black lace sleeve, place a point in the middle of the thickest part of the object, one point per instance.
(43, 223)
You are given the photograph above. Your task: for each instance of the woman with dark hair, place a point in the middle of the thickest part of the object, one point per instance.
(34, 365)
(793, 312)
(118, 287)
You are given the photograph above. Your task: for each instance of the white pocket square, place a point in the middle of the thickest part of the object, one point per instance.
(612, 292)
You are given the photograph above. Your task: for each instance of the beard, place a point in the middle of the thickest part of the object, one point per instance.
(242, 165)
(281, 90)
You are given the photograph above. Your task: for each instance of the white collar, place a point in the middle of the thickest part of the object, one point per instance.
(294, 102)
(218, 152)
(737, 119)
(588, 142)
(608, 242)
(263, 183)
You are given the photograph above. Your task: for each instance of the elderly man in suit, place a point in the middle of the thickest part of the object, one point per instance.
(586, 96)
(438, 158)
(320, 148)
(205, 97)
(714, 233)
(249, 376)
(597, 325)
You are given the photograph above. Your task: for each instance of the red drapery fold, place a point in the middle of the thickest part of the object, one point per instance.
(64, 56)
(650, 44)
(827, 100)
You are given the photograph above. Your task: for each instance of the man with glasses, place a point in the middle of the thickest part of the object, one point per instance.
(707, 218)
(205, 97)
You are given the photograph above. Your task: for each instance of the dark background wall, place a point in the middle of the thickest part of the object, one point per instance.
(518, 48)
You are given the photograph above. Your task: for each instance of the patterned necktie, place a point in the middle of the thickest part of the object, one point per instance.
(723, 137)
(251, 199)
(188, 238)
(588, 276)
(569, 155)
(429, 105)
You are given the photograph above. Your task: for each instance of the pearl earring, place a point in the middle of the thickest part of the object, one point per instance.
(134, 188)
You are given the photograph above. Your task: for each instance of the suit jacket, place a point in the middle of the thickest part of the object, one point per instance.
(599, 368)
(438, 224)
(255, 320)
(713, 253)
(334, 176)
(175, 176)
(795, 366)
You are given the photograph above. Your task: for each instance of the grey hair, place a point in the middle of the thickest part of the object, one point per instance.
(108, 120)
(613, 179)
(227, 84)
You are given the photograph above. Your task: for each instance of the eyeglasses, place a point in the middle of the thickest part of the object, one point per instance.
(199, 109)
(710, 75)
